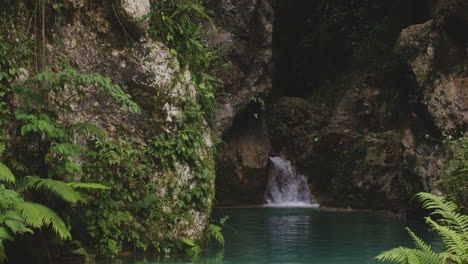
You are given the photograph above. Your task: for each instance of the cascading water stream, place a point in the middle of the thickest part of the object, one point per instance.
(285, 187)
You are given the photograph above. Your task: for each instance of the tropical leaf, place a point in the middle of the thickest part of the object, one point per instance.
(214, 231)
(6, 175)
(77, 185)
(418, 241)
(447, 210)
(59, 188)
(3, 256)
(455, 242)
(17, 227)
(396, 255)
(452, 227)
(37, 215)
(5, 234)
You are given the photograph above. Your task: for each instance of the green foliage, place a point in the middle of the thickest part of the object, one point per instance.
(64, 191)
(175, 23)
(193, 249)
(19, 216)
(47, 141)
(214, 232)
(6, 175)
(9, 71)
(454, 182)
(452, 227)
(133, 213)
(125, 211)
(129, 210)
(184, 145)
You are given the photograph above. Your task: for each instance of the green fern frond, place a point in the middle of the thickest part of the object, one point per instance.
(3, 256)
(451, 258)
(59, 188)
(5, 234)
(455, 242)
(420, 243)
(6, 175)
(452, 227)
(447, 210)
(77, 185)
(214, 231)
(38, 215)
(428, 257)
(410, 256)
(396, 255)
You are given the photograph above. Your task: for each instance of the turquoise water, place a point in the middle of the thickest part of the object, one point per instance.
(302, 235)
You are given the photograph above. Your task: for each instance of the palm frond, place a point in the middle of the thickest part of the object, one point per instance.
(6, 175)
(59, 188)
(37, 215)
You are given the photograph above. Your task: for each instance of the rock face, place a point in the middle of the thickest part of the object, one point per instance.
(439, 64)
(371, 145)
(244, 36)
(147, 70)
(365, 114)
(241, 172)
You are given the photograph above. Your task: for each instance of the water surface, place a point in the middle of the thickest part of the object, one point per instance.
(302, 235)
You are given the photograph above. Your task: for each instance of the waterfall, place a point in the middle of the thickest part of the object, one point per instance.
(285, 187)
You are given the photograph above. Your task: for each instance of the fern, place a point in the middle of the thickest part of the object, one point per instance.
(5, 234)
(77, 185)
(37, 215)
(65, 191)
(6, 175)
(193, 248)
(455, 243)
(447, 210)
(59, 188)
(214, 231)
(452, 227)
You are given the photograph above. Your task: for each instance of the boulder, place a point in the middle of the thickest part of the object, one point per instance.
(132, 13)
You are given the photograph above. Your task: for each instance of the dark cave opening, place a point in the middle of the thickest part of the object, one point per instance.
(316, 43)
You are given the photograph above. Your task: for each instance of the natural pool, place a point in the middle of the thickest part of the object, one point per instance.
(302, 235)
